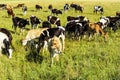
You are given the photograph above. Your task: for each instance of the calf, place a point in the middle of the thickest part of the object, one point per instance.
(96, 28)
(55, 48)
(19, 22)
(38, 7)
(98, 9)
(54, 20)
(34, 21)
(32, 34)
(5, 42)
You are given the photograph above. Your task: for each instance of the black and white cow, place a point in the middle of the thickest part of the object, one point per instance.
(80, 18)
(34, 21)
(77, 7)
(56, 11)
(38, 7)
(6, 42)
(78, 28)
(50, 33)
(19, 22)
(109, 21)
(24, 9)
(98, 9)
(66, 7)
(46, 24)
(2, 6)
(54, 20)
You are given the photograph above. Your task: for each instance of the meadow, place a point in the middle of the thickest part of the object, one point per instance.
(81, 60)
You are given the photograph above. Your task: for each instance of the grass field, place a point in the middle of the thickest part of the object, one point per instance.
(81, 60)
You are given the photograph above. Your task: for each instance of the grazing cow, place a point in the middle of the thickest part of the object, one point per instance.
(50, 7)
(55, 48)
(2, 6)
(109, 21)
(96, 28)
(54, 20)
(80, 18)
(32, 34)
(118, 14)
(38, 7)
(34, 21)
(77, 7)
(66, 7)
(19, 22)
(98, 9)
(105, 21)
(24, 9)
(5, 31)
(76, 27)
(5, 42)
(9, 11)
(50, 33)
(56, 11)
(46, 24)
(19, 5)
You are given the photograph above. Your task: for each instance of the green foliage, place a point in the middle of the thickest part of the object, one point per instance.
(81, 60)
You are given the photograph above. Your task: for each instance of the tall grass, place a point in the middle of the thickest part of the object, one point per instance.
(81, 60)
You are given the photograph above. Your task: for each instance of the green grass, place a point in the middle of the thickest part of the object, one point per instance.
(81, 60)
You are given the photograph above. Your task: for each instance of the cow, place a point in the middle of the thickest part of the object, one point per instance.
(34, 21)
(19, 5)
(54, 20)
(76, 27)
(109, 21)
(38, 7)
(77, 7)
(118, 13)
(19, 22)
(32, 34)
(50, 7)
(46, 24)
(98, 9)
(95, 28)
(9, 11)
(55, 48)
(80, 18)
(66, 7)
(50, 33)
(24, 9)
(2, 6)
(6, 42)
(56, 11)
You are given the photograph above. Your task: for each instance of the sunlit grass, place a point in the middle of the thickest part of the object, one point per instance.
(81, 60)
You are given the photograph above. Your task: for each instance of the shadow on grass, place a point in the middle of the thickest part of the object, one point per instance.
(33, 55)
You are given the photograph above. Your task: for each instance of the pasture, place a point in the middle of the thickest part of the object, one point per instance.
(81, 60)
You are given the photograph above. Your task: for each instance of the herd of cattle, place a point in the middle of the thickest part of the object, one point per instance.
(54, 38)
